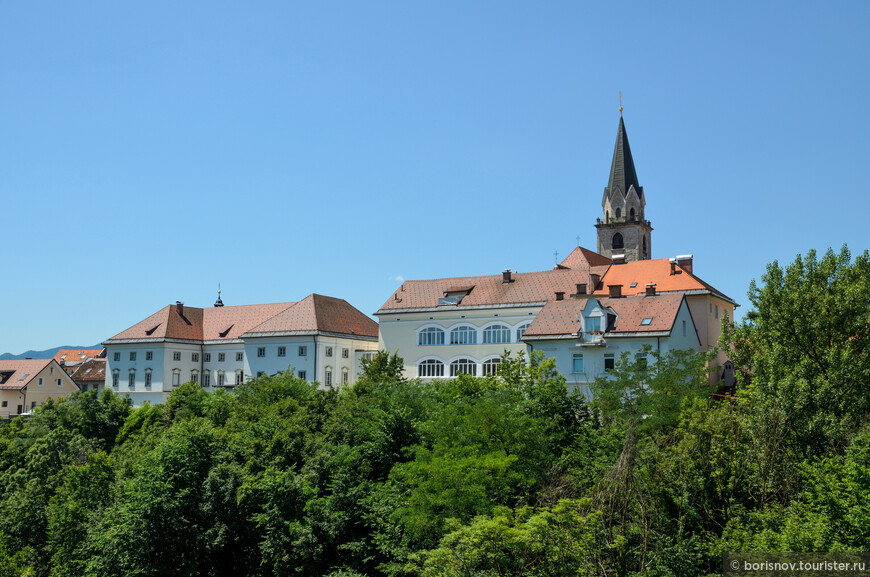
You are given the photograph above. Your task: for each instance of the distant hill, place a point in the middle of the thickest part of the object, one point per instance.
(46, 354)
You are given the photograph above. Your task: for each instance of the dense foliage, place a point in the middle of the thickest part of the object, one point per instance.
(507, 475)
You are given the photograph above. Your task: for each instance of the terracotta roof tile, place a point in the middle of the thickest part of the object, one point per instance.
(320, 313)
(77, 355)
(584, 258)
(562, 317)
(16, 373)
(657, 271)
(92, 371)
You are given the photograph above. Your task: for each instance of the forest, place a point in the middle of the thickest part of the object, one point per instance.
(508, 475)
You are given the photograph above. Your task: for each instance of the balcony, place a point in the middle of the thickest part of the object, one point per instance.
(590, 339)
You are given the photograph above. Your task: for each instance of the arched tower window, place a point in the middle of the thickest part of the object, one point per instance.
(607, 216)
(617, 241)
(618, 212)
(631, 214)
(644, 247)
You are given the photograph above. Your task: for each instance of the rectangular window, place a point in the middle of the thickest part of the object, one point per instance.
(222, 357)
(282, 351)
(641, 361)
(303, 351)
(147, 379)
(345, 353)
(239, 357)
(60, 382)
(32, 405)
(344, 376)
(131, 379)
(206, 357)
(149, 356)
(194, 357)
(240, 377)
(176, 378)
(176, 356)
(194, 377)
(132, 355)
(328, 378)
(206, 379)
(302, 375)
(328, 351)
(717, 311)
(41, 382)
(684, 328)
(116, 357)
(261, 351)
(115, 377)
(5, 403)
(220, 381)
(609, 362)
(593, 324)
(578, 364)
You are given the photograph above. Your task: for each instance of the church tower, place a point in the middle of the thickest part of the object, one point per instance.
(623, 234)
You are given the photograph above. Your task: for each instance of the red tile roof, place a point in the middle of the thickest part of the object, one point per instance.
(319, 313)
(525, 287)
(92, 371)
(562, 317)
(77, 355)
(16, 373)
(226, 323)
(584, 258)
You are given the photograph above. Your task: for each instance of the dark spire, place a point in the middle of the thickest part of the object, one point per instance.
(622, 173)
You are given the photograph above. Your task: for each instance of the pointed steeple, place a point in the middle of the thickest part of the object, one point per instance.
(622, 173)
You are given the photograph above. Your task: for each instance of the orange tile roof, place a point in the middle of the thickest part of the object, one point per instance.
(563, 317)
(657, 271)
(91, 371)
(231, 322)
(16, 373)
(77, 355)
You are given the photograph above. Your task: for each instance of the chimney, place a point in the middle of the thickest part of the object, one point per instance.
(651, 290)
(179, 307)
(685, 262)
(506, 276)
(618, 258)
(615, 290)
(595, 280)
(673, 266)
(581, 288)
(560, 295)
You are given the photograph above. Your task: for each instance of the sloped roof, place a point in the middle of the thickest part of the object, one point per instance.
(658, 272)
(319, 313)
(525, 287)
(91, 371)
(16, 373)
(563, 317)
(584, 258)
(313, 313)
(622, 173)
(77, 355)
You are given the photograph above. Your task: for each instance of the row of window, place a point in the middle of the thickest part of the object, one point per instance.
(41, 382)
(609, 362)
(433, 368)
(220, 380)
(468, 335)
(327, 380)
(222, 357)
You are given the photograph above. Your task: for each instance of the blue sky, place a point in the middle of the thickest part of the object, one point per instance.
(149, 151)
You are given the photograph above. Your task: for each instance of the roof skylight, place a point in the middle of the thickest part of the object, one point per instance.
(646, 321)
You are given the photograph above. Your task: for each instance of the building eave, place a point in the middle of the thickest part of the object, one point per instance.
(460, 308)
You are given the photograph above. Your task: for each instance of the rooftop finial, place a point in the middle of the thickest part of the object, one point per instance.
(219, 302)
(620, 104)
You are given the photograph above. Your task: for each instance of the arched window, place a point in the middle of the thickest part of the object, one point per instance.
(491, 366)
(521, 331)
(463, 367)
(617, 241)
(327, 377)
(116, 376)
(131, 378)
(147, 378)
(431, 336)
(221, 378)
(345, 376)
(644, 246)
(618, 212)
(464, 335)
(430, 368)
(496, 335)
(194, 376)
(176, 377)
(631, 214)
(607, 216)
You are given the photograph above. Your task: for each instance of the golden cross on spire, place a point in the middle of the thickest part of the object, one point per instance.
(620, 103)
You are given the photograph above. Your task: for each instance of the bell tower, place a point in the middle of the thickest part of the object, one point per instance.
(623, 233)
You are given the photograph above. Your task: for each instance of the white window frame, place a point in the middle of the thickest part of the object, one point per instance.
(327, 376)
(490, 366)
(221, 378)
(328, 352)
(430, 368)
(463, 362)
(194, 376)
(345, 376)
(59, 383)
(116, 356)
(116, 379)
(303, 351)
(261, 352)
(149, 356)
(176, 377)
(430, 336)
(496, 334)
(132, 356)
(282, 351)
(240, 357)
(194, 357)
(521, 330)
(240, 377)
(206, 378)
(148, 378)
(41, 382)
(345, 353)
(131, 378)
(464, 334)
(222, 357)
(578, 357)
(176, 356)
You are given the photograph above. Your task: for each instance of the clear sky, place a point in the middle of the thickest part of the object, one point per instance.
(151, 150)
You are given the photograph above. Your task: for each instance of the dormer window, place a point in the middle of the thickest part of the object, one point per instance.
(593, 324)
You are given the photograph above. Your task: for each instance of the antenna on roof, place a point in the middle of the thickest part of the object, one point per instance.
(578, 241)
(219, 302)
(556, 254)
